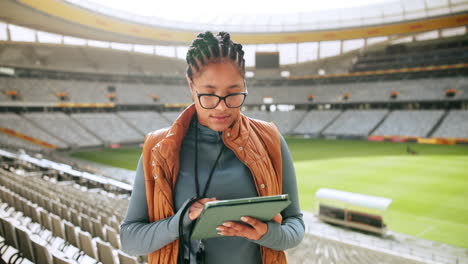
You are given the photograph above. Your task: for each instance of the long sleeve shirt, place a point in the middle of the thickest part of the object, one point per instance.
(231, 180)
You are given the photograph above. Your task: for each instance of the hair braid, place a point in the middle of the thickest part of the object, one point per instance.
(207, 48)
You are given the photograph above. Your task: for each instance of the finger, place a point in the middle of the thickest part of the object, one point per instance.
(255, 223)
(205, 200)
(236, 230)
(260, 228)
(278, 218)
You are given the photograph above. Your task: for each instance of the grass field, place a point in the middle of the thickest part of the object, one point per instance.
(429, 190)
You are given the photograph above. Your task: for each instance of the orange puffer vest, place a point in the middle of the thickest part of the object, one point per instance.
(256, 143)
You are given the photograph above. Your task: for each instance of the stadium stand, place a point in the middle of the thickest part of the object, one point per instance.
(145, 121)
(64, 219)
(316, 121)
(29, 90)
(64, 128)
(409, 123)
(87, 59)
(147, 93)
(356, 123)
(170, 116)
(80, 91)
(109, 127)
(45, 90)
(52, 215)
(20, 124)
(261, 115)
(406, 55)
(287, 121)
(376, 91)
(11, 142)
(454, 125)
(50, 239)
(318, 249)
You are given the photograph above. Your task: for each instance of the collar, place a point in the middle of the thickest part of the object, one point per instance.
(205, 134)
(237, 134)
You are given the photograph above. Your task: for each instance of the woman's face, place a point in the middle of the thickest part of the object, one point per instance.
(221, 79)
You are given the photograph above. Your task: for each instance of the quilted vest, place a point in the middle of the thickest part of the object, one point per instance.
(255, 143)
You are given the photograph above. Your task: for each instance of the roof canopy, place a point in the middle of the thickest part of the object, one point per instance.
(354, 199)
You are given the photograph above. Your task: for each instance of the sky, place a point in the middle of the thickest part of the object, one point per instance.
(182, 10)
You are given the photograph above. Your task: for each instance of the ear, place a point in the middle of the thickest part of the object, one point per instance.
(189, 83)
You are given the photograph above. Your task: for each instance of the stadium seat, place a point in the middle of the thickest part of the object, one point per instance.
(97, 229)
(105, 253)
(86, 224)
(126, 259)
(70, 234)
(41, 253)
(10, 240)
(115, 224)
(75, 217)
(61, 260)
(58, 229)
(45, 219)
(112, 237)
(24, 244)
(35, 215)
(87, 244)
(9, 233)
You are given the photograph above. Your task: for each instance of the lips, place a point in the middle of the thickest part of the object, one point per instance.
(220, 118)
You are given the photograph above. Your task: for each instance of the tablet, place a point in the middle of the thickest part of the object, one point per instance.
(216, 213)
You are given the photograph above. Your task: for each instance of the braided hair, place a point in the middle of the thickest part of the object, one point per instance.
(207, 48)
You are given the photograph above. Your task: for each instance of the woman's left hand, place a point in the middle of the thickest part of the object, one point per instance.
(253, 228)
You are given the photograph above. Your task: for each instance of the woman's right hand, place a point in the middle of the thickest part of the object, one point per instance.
(196, 208)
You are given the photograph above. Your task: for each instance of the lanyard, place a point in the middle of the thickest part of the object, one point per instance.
(197, 185)
(200, 255)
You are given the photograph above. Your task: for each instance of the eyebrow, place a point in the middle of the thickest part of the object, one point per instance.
(209, 86)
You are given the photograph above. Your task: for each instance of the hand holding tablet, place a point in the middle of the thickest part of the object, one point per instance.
(254, 211)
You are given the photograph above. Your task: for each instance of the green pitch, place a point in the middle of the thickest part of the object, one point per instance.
(429, 189)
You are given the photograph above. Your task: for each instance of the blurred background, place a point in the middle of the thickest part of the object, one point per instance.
(371, 96)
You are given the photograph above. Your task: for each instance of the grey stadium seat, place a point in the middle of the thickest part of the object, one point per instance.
(105, 254)
(86, 244)
(41, 253)
(70, 234)
(97, 229)
(24, 243)
(126, 259)
(112, 237)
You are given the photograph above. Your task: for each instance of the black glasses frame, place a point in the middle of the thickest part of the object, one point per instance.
(199, 95)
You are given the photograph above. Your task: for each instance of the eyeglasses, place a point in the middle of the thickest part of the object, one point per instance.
(210, 101)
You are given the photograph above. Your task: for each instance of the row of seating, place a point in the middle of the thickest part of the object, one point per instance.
(45, 91)
(355, 123)
(49, 240)
(318, 249)
(65, 228)
(416, 54)
(87, 208)
(454, 125)
(82, 129)
(97, 129)
(416, 123)
(88, 59)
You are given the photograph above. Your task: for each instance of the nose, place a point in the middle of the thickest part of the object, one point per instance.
(222, 105)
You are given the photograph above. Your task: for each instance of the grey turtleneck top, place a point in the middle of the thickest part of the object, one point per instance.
(231, 179)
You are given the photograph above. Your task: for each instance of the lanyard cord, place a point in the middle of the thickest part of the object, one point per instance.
(181, 258)
(211, 172)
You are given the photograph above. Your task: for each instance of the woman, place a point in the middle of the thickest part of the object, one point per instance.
(212, 152)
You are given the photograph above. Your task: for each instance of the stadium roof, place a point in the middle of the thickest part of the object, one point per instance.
(271, 16)
(88, 20)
